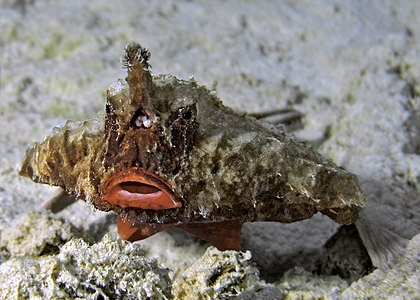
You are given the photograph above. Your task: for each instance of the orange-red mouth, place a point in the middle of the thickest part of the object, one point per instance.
(135, 187)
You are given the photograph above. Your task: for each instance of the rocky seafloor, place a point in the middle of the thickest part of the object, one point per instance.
(351, 68)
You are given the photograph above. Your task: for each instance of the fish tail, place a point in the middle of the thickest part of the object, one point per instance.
(383, 245)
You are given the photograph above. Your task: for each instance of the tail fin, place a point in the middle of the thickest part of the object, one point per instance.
(383, 245)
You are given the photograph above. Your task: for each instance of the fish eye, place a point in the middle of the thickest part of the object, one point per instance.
(143, 121)
(187, 114)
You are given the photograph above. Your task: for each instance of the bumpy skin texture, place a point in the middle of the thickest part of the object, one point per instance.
(222, 165)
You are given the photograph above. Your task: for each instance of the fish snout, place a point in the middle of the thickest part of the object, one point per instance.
(137, 188)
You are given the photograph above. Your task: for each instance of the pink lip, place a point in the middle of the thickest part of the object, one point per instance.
(135, 187)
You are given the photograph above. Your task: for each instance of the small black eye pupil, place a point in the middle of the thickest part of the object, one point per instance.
(187, 115)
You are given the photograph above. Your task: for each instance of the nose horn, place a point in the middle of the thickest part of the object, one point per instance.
(139, 79)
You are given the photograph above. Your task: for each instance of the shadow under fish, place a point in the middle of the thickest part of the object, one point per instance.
(168, 153)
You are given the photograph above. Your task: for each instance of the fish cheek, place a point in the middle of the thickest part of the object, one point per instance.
(182, 127)
(113, 137)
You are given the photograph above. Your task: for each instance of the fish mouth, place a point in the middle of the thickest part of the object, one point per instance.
(137, 188)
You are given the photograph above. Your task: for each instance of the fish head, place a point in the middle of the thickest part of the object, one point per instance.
(128, 160)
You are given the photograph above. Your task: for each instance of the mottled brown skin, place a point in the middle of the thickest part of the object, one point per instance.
(225, 168)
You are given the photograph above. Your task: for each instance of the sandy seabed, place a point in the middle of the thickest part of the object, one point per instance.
(352, 69)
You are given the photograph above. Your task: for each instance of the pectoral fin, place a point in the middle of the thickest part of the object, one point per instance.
(59, 201)
(135, 232)
(225, 235)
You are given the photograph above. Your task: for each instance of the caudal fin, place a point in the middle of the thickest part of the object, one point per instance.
(383, 246)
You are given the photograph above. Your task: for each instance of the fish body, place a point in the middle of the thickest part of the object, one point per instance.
(168, 153)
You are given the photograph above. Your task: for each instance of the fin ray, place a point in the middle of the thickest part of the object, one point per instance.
(383, 245)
